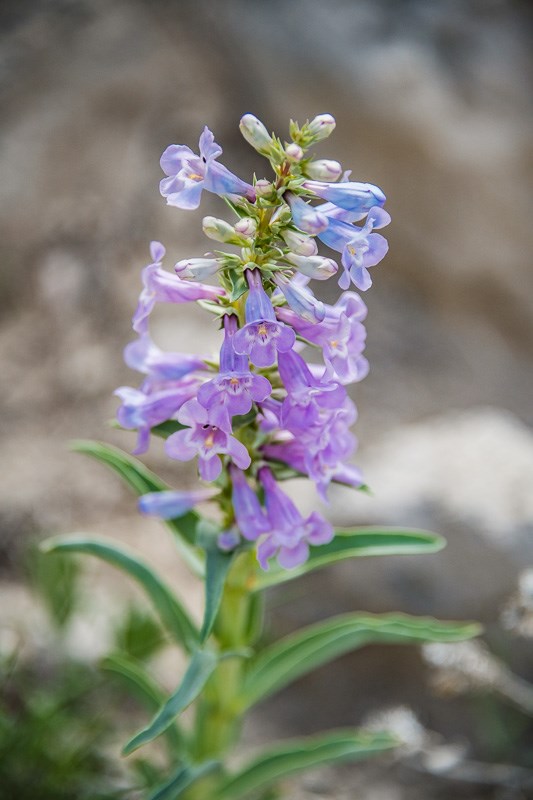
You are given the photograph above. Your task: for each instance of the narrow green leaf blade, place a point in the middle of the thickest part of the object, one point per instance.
(182, 779)
(354, 544)
(171, 612)
(216, 569)
(140, 682)
(142, 480)
(198, 672)
(301, 652)
(301, 754)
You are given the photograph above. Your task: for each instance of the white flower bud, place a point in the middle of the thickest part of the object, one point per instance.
(294, 151)
(324, 170)
(220, 230)
(316, 267)
(246, 226)
(321, 126)
(263, 188)
(197, 268)
(300, 243)
(255, 133)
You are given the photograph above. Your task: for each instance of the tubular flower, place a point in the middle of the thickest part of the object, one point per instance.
(235, 387)
(263, 335)
(290, 534)
(206, 440)
(188, 174)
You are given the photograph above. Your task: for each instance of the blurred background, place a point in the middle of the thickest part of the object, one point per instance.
(433, 104)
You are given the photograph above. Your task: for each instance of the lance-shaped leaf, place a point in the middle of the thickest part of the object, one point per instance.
(299, 653)
(354, 544)
(136, 677)
(142, 480)
(171, 612)
(184, 777)
(302, 754)
(200, 668)
(216, 569)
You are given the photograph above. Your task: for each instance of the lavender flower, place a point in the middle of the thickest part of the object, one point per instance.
(206, 440)
(306, 395)
(306, 217)
(170, 505)
(360, 247)
(262, 335)
(301, 300)
(250, 517)
(144, 356)
(290, 534)
(351, 196)
(188, 174)
(235, 387)
(160, 286)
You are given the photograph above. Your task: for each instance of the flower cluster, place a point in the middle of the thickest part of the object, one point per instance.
(261, 412)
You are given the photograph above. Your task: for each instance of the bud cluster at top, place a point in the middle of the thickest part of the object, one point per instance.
(259, 412)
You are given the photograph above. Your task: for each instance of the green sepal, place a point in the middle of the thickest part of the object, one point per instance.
(142, 480)
(301, 652)
(355, 544)
(198, 672)
(171, 612)
(298, 755)
(181, 780)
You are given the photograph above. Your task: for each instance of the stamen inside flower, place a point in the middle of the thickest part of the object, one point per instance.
(262, 330)
(334, 343)
(234, 381)
(195, 177)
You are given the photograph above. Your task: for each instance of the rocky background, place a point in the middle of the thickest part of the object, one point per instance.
(432, 104)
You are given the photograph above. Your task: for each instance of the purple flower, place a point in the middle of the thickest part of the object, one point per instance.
(160, 286)
(306, 395)
(235, 387)
(206, 440)
(262, 335)
(144, 356)
(306, 217)
(314, 266)
(142, 409)
(188, 174)
(290, 534)
(341, 335)
(229, 539)
(301, 299)
(360, 247)
(351, 196)
(171, 505)
(248, 512)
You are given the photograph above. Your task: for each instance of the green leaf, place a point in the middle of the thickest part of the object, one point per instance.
(172, 614)
(167, 428)
(142, 480)
(198, 672)
(56, 579)
(216, 569)
(355, 543)
(302, 754)
(139, 680)
(301, 652)
(182, 779)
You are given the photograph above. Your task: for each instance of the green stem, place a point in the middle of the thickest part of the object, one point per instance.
(218, 717)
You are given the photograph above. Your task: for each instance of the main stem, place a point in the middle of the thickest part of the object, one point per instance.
(218, 713)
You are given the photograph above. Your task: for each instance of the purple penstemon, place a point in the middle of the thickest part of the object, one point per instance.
(263, 403)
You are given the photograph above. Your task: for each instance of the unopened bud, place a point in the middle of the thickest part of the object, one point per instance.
(294, 151)
(220, 230)
(300, 243)
(246, 226)
(321, 126)
(255, 133)
(197, 268)
(316, 267)
(324, 170)
(263, 188)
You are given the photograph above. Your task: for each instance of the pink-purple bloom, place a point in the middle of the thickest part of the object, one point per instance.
(206, 440)
(160, 286)
(144, 356)
(263, 335)
(234, 389)
(188, 174)
(173, 504)
(249, 515)
(351, 196)
(290, 534)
